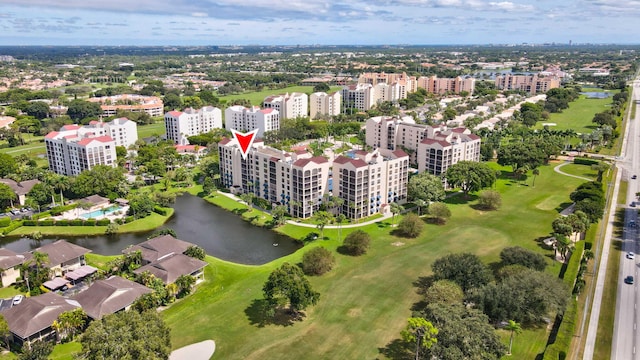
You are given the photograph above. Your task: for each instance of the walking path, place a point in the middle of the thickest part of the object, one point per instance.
(557, 169)
(198, 351)
(345, 226)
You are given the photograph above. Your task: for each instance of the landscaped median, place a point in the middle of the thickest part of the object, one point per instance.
(148, 223)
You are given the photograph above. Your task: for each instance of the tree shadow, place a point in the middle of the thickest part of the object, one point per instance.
(260, 314)
(423, 283)
(397, 349)
(563, 206)
(383, 224)
(460, 198)
(239, 211)
(618, 223)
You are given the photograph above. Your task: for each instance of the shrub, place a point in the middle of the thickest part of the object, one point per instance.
(90, 222)
(490, 200)
(317, 261)
(517, 255)
(76, 222)
(583, 161)
(46, 223)
(357, 243)
(62, 223)
(128, 219)
(440, 212)
(14, 225)
(159, 210)
(29, 223)
(103, 222)
(57, 210)
(5, 221)
(410, 226)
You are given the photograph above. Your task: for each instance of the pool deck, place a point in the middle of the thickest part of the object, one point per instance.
(78, 212)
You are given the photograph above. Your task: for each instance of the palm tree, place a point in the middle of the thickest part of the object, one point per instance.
(536, 172)
(322, 218)
(172, 291)
(395, 210)
(340, 219)
(40, 258)
(420, 204)
(514, 327)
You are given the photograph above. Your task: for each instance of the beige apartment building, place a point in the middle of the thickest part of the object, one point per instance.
(369, 181)
(189, 122)
(290, 106)
(323, 104)
(241, 118)
(532, 84)
(408, 82)
(431, 149)
(436, 85)
(297, 180)
(358, 97)
(110, 105)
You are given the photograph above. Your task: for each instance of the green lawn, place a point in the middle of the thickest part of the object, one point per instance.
(579, 114)
(257, 97)
(365, 300)
(151, 130)
(580, 170)
(148, 223)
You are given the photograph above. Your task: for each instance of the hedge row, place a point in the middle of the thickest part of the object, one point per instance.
(76, 222)
(159, 210)
(573, 266)
(57, 210)
(5, 221)
(14, 225)
(560, 348)
(585, 161)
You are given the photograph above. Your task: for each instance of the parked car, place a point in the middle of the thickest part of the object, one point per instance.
(17, 299)
(628, 279)
(15, 211)
(631, 255)
(634, 177)
(24, 210)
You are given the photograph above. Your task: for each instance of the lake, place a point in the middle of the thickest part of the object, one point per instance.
(220, 233)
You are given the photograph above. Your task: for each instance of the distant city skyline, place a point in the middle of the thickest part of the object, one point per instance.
(357, 22)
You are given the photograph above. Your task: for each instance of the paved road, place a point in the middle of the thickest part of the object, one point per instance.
(626, 335)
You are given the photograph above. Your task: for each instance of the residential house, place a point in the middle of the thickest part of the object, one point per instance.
(63, 256)
(10, 266)
(21, 189)
(109, 296)
(33, 318)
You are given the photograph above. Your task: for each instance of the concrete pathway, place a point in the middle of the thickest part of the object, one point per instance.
(557, 169)
(198, 351)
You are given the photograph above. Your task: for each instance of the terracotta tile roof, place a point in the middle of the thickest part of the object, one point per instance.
(267, 111)
(434, 141)
(104, 139)
(400, 153)
(224, 141)
(174, 113)
(52, 135)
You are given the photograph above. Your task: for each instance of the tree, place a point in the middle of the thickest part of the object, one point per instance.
(196, 252)
(517, 255)
(37, 350)
(601, 167)
(71, 322)
(563, 245)
(279, 212)
(521, 154)
(357, 243)
(440, 212)
(395, 210)
(513, 327)
(340, 219)
(535, 173)
(490, 200)
(411, 225)
(5, 332)
(421, 332)
(321, 87)
(8, 165)
(562, 226)
(38, 109)
(102, 180)
(444, 292)
(81, 109)
(464, 269)
(287, 285)
(470, 176)
(420, 204)
(127, 335)
(322, 219)
(426, 187)
(185, 284)
(317, 261)
(7, 196)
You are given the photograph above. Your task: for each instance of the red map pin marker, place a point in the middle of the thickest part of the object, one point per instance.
(244, 140)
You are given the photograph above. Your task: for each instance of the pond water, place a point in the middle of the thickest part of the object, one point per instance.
(596, 94)
(220, 233)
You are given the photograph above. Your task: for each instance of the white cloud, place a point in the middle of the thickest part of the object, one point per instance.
(199, 14)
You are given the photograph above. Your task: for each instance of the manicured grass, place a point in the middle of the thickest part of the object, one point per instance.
(65, 351)
(622, 192)
(31, 149)
(8, 356)
(9, 291)
(151, 130)
(580, 170)
(252, 215)
(148, 223)
(579, 114)
(98, 261)
(365, 300)
(256, 98)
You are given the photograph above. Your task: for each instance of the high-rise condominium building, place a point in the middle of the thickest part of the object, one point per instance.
(74, 149)
(436, 85)
(189, 122)
(532, 84)
(323, 104)
(241, 118)
(290, 106)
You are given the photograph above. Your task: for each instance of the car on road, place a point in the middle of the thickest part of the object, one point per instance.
(631, 255)
(628, 279)
(17, 299)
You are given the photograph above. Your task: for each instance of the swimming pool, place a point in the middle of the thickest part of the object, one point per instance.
(108, 211)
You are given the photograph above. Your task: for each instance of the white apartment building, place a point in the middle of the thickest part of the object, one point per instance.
(436, 85)
(360, 97)
(122, 130)
(74, 149)
(244, 119)
(189, 122)
(323, 104)
(432, 149)
(368, 181)
(296, 180)
(110, 105)
(409, 83)
(290, 106)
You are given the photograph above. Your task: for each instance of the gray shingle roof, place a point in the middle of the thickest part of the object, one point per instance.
(170, 268)
(37, 313)
(108, 296)
(159, 247)
(60, 252)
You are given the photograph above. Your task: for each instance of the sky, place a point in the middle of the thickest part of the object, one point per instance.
(324, 22)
